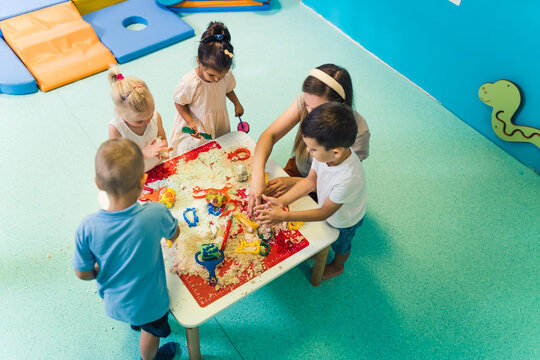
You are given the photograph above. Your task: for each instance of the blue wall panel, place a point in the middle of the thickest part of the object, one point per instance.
(450, 51)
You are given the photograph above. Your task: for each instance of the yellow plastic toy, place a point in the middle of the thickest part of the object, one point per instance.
(167, 197)
(253, 248)
(217, 199)
(244, 220)
(249, 248)
(295, 225)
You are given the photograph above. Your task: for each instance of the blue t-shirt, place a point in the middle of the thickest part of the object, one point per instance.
(126, 246)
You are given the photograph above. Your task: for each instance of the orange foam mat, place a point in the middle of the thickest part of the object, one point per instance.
(56, 45)
(218, 3)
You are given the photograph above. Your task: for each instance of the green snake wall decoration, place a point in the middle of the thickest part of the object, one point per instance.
(504, 97)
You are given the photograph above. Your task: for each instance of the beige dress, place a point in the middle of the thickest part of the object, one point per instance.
(207, 105)
(360, 146)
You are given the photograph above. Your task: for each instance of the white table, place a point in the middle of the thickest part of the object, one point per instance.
(319, 235)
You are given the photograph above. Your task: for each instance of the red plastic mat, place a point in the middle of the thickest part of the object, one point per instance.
(168, 168)
(281, 247)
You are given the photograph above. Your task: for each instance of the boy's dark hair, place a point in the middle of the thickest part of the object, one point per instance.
(315, 86)
(119, 166)
(215, 48)
(332, 124)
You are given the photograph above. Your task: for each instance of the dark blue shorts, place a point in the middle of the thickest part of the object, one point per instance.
(343, 243)
(159, 328)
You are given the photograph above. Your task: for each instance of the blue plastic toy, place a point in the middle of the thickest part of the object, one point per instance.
(213, 210)
(15, 79)
(195, 217)
(210, 265)
(162, 28)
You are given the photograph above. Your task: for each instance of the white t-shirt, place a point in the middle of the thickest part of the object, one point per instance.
(207, 106)
(343, 184)
(150, 133)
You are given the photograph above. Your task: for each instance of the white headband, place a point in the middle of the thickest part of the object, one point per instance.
(328, 80)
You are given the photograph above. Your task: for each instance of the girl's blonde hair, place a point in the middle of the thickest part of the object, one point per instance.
(129, 91)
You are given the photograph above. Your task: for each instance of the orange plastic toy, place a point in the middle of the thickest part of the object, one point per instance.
(199, 193)
(56, 45)
(239, 154)
(211, 194)
(163, 195)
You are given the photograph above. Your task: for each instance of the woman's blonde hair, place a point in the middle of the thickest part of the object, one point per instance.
(129, 91)
(299, 147)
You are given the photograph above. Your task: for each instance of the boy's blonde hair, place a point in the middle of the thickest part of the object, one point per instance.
(119, 166)
(129, 91)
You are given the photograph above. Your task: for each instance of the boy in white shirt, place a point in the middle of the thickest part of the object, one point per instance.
(336, 173)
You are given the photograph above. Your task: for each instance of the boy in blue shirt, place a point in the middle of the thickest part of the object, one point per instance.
(120, 248)
(336, 173)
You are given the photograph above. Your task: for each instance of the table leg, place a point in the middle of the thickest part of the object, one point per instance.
(318, 268)
(193, 343)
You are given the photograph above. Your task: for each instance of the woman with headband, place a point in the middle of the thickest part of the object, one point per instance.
(326, 83)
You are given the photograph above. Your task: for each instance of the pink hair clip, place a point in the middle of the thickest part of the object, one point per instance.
(119, 76)
(124, 97)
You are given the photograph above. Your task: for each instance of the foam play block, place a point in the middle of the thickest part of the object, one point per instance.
(11, 8)
(15, 79)
(56, 45)
(158, 28)
(88, 6)
(220, 5)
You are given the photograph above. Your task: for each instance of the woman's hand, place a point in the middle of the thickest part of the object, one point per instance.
(256, 190)
(153, 149)
(279, 186)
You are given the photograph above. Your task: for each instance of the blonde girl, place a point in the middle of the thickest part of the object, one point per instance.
(136, 118)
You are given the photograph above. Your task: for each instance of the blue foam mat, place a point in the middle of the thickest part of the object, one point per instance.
(10, 8)
(15, 79)
(163, 28)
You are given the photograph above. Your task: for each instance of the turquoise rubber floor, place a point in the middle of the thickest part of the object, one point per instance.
(446, 265)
